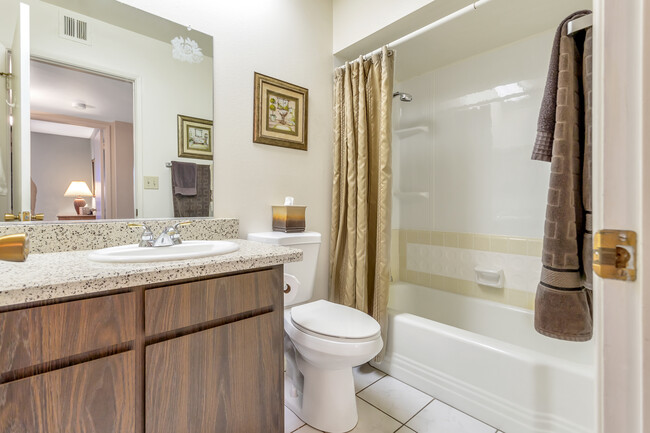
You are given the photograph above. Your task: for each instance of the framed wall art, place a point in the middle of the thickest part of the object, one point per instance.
(280, 113)
(194, 137)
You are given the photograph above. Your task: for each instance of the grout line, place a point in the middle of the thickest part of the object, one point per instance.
(303, 423)
(385, 413)
(416, 414)
(465, 413)
(370, 384)
(411, 386)
(403, 423)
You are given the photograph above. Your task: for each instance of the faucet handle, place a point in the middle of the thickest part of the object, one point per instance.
(175, 232)
(146, 239)
(11, 217)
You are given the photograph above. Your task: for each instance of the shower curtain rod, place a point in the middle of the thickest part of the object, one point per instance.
(433, 25)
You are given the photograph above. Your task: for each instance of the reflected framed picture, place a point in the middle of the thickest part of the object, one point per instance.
(280, 113)
(194, 137)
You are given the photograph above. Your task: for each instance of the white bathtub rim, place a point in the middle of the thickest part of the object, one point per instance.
(505, 309)
(453, 390)
(490, 343)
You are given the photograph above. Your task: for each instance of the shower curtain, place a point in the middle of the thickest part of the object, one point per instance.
(361, 191)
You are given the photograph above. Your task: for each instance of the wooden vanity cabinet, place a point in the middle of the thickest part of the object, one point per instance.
(201, 356)
(223, 378)
(217, 380)
(69, 367)
(91, 397)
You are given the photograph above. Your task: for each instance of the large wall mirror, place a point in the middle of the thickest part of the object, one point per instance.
(94, 95)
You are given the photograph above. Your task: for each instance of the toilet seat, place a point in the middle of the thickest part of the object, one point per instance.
(335, 322)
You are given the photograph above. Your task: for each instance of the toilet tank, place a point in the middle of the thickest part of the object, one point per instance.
(303, 272)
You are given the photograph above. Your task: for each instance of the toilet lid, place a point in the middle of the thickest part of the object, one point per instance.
(334, 320)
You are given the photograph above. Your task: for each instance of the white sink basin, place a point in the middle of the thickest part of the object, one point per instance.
(186, 250)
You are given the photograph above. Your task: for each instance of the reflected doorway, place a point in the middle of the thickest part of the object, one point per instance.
(81, 130)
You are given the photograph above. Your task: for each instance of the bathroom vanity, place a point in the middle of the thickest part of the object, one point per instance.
(185, 346)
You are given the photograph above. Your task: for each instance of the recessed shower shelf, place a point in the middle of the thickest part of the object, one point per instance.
(411, 194)
(407, 132)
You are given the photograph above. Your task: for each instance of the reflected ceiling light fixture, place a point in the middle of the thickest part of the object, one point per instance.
(186, 49)
(81, 105)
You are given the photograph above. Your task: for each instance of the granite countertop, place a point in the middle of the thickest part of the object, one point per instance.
(64, 274)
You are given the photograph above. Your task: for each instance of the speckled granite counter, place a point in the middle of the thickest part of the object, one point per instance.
(65, 274)
(54, 237)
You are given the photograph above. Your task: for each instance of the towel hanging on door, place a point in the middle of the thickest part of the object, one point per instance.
(563, 303)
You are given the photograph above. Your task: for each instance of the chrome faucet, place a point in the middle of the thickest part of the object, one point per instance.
(146, 239)
(174, 232)
(170, 235)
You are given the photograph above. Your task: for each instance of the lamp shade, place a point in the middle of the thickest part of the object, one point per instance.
(78, 188)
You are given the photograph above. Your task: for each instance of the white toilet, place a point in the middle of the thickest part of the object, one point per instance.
(323, 341)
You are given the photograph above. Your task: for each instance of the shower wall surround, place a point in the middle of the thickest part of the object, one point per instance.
(466, 191)
(446, 261)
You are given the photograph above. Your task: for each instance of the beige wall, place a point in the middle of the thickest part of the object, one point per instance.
(290, 40)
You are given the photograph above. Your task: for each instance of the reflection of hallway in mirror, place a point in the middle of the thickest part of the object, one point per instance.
(82, 129)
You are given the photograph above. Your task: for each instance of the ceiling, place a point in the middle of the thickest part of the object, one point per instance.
(493, 24)
(44, 127)
(54, 89)
(109, 11)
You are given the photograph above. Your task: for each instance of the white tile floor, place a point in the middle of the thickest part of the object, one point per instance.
(387, 405)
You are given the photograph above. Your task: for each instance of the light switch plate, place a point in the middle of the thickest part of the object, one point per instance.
(151, 182)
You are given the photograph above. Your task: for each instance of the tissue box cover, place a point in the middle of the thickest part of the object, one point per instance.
(289, 219)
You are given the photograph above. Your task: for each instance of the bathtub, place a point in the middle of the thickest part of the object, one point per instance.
(485, 359)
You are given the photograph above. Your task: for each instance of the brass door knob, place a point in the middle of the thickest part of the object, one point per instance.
(14, 248)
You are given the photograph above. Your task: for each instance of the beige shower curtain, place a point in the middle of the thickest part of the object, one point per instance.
(361, 191)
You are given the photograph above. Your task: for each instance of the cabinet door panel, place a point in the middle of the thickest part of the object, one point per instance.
(224, 379)
(41, 334)
(173, 307)
(92, 397)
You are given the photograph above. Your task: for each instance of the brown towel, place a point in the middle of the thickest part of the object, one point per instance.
(563, 306)
(546, 119)
(199, 204)
(184, 178)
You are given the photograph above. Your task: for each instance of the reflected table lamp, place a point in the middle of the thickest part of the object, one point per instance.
(78, 189)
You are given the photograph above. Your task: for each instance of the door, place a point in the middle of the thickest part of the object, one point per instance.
(21, 149)
(91, 397)
(622, 201)
(223, 379)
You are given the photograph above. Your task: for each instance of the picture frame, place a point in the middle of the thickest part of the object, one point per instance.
(194, 138)
(280, 113)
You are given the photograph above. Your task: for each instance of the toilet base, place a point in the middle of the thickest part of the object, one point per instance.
(327, 401)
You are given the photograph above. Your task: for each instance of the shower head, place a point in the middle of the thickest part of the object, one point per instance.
(404, 97)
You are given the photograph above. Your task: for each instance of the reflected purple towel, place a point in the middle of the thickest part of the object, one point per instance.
(184, 178)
